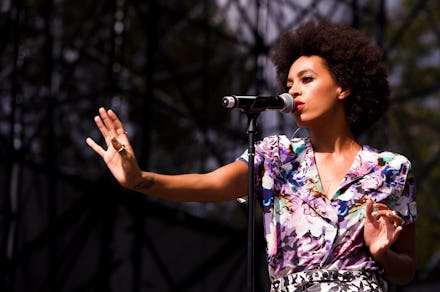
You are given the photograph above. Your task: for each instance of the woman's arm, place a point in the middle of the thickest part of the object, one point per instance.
(391, 245)
(225, 183)
(399, 261)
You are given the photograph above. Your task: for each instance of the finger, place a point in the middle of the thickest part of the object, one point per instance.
(98, 149)
(107, 122)
(392, 214)
(391, 217)
(369, 210)
(380, 206)
(397, 223)
(119, 127)
(118, 146)
(397, 220)
(386, 213)
(102, 128)
(397, 231)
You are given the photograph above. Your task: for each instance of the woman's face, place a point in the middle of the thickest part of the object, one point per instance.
(318, 99)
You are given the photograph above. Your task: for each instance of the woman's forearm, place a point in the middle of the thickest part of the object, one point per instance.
(399, 268)
(226, 183)
(399, 261)
(183, 187)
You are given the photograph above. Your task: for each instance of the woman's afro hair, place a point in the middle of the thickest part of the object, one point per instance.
(354, 61)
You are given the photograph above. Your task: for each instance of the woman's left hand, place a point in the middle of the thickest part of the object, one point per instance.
(381, 229)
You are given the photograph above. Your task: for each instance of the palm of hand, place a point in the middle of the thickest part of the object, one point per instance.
(381, 228)
(118, 156)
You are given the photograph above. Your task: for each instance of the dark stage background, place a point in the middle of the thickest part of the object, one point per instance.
(163, 66)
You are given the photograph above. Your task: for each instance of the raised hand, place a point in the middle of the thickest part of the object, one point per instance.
(382, 228)
(119, 155)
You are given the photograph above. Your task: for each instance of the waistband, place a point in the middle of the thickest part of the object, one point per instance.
(302, 281)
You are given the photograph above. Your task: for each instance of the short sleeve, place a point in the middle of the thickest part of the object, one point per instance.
(266, 164)
(405, 204)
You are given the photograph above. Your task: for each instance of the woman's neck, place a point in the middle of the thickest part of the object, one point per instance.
(334, 153)
(334, 142)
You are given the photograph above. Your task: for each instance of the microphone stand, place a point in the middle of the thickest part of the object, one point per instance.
(253, 106)
(251, 131)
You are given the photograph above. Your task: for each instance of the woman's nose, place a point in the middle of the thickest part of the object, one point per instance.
(294, 91)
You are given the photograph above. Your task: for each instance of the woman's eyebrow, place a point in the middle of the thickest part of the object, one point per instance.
(301, 73)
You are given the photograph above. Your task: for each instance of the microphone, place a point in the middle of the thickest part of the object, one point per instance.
(283, 102)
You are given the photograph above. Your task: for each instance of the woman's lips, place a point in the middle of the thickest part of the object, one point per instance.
(298, 105)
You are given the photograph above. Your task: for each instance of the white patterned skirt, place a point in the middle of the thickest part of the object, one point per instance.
(330, 281)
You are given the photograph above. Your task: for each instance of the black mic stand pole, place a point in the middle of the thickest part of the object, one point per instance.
(251, 131)
(253, 109)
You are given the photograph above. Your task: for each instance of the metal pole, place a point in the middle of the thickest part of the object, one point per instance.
(252, 120)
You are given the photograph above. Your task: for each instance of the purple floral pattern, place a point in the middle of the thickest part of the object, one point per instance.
(305, 230)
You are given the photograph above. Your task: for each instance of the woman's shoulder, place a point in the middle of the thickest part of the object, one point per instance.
(385, 157)
(284, 139)
(296, 145)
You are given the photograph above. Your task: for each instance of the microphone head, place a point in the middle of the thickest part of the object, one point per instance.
(229, 102)
(289, 103)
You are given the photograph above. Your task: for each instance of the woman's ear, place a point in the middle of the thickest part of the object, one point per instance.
(343, 93)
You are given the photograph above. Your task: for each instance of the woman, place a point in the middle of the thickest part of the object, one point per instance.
(337, 215)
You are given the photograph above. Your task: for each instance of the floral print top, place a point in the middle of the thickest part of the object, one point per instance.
(305, 230)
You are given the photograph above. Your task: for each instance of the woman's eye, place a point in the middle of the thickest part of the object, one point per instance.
(307, 79)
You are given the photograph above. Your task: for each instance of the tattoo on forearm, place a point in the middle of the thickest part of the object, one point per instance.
(145, 185)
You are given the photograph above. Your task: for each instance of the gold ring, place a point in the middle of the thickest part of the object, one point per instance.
(122, 148)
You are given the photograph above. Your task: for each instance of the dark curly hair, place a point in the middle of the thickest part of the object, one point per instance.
(354, 61)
